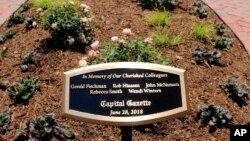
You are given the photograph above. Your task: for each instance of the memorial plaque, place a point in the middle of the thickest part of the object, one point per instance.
(124, 93)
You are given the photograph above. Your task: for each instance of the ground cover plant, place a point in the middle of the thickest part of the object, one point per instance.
(110, 17)
(42, 128)
(21, 92)
(5, 119)
(235, 91)
(213, 115)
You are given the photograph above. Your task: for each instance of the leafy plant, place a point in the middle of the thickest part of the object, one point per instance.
(16, 18)
(5, 119)
(159, 3)
(157, 18)
(220, 28)
(213, 115)
(206, 57)
(224, 43)
(235, 91)
(29, 59)
(22, 91)
(42, 128)
(200, 9)
(3, 53)
(202, 30)
(129, 50)
(69, 25)
(30, 23)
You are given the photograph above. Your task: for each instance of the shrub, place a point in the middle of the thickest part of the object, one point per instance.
(42, 128)
(128, 50)
(235, 91)
(206, 57)
(158, 3)
(157, 18)
(202, 30)
(200, 10)
(5, 119)
(22, 91)
(224, 43)
(69, 25)
(16, 18)
(213, 115)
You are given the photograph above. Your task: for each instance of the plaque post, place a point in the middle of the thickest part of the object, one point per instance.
(126, 133)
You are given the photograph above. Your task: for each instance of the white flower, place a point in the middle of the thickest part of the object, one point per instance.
(82, 63)
(34, 24)
(114, 38)
(39, 10)
(71, 2)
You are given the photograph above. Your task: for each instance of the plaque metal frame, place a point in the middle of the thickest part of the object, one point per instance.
(124, 121)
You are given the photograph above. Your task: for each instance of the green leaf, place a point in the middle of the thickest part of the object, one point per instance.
(68, 134)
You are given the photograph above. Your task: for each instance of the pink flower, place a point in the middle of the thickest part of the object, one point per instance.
(54, 26)
(71, 2)
(127, 31)
(148, 40)
(82, 63)
(71, 41)
(83, 38)
(85, 7)
(84, 20)
(114, 38)
(39, 10)
(95, 45)
(92, 53)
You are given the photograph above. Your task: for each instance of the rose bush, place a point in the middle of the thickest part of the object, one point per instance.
(69, 25)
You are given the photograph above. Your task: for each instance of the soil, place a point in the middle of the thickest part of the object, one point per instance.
(111, 16)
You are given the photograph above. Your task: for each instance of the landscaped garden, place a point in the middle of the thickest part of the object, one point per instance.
(45, 38)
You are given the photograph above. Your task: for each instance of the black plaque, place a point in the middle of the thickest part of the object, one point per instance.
(124, 93)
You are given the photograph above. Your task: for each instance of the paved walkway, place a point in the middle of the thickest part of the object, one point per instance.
(8, 7)
(236, 14)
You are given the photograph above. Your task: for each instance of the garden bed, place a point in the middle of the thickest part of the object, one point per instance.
(111, 17)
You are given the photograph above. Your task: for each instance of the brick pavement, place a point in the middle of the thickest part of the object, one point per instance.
(236, 14)
(8, 7)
